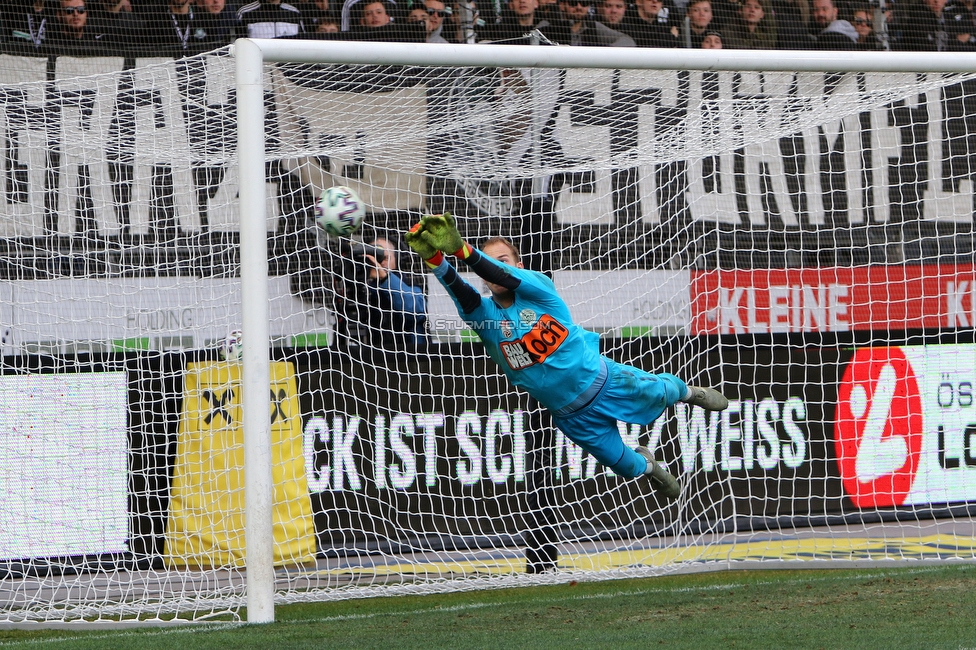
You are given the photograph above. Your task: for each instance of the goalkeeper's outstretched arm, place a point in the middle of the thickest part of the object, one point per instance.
(465, 296)
(502, 271)
(439, 232)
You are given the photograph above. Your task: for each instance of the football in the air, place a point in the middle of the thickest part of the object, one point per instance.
(230, 347)
(340, 211)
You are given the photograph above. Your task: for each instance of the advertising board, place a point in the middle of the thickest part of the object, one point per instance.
(435, 446)
(905, 430)
(63, 464)
(442, 445)
(861, 298)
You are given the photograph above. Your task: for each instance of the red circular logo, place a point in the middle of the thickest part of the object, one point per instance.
(878, 430)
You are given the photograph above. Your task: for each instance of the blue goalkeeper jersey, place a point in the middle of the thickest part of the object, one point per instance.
(535, 341)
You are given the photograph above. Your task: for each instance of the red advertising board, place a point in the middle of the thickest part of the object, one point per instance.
(879, 429)
(905, 427)
(833, 299)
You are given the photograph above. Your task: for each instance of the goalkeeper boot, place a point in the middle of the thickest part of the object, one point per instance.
(707, 398)
(662, 480)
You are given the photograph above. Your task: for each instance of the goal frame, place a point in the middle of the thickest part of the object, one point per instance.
(251, 55)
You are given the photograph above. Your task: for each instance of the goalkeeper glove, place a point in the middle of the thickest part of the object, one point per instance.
(443, 234)
(418, 240)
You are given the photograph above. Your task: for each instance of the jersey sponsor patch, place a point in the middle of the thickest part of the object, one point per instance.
(516, 355)
(536, 345)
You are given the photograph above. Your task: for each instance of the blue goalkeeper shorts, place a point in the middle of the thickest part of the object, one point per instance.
(620, 393)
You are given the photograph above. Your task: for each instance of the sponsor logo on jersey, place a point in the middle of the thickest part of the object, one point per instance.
(879, 429)
(536, 345)
(506, 327)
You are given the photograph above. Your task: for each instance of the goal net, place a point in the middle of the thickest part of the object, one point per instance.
(801, 240)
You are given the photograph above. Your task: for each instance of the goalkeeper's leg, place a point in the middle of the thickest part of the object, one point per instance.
(707, 398)
(631, 395)
(644, 396)
(593, 426)
(663, 481)
(598, 434)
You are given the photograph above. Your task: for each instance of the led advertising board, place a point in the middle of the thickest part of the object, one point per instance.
(906, 426)
(63, 464)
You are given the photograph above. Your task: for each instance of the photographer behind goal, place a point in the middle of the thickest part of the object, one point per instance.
(375, 306)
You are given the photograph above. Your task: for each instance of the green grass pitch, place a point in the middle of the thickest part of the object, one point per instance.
(898, 607)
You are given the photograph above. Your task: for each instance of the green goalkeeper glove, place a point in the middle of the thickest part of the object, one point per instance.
(420, 244)
(442, 233)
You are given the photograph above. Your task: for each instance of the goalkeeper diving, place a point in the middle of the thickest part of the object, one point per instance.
(527, 329)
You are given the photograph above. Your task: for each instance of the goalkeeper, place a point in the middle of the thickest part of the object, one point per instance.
(527, 329)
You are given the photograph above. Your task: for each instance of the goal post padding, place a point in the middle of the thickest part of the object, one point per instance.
(795, 230)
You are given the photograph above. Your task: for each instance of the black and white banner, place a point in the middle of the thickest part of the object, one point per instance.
(98, 149)
(152, 149)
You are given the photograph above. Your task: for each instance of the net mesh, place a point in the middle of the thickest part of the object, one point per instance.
(800, 240)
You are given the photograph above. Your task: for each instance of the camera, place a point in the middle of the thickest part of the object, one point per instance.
(359, 250)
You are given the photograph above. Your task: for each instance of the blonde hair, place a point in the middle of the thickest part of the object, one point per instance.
(506, 242)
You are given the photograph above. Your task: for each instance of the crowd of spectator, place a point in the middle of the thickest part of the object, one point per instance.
(192, 26)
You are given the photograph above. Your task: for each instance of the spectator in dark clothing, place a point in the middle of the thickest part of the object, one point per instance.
(119, 23)
(269, 19)
(180, 29)
(316, 13)
(612, 13)
(437, 12)
(72, 30)
(418, 14)
(724, 14)
(29, 22)
(374, 22)
(922, 26)
(830, 32)
(396, 32)
(327, 25)
(576, 26)
(653, 26)
(700, 20)
(352, 11)
(801, 8)
(548, 10)
(397, 11)
(754, 28)
(214, 7)
(791, 24)
(515, 21)
(863, 21)
(960, 22)
(374, 13)
(219, 20)
(712, 40)
(315, 7)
